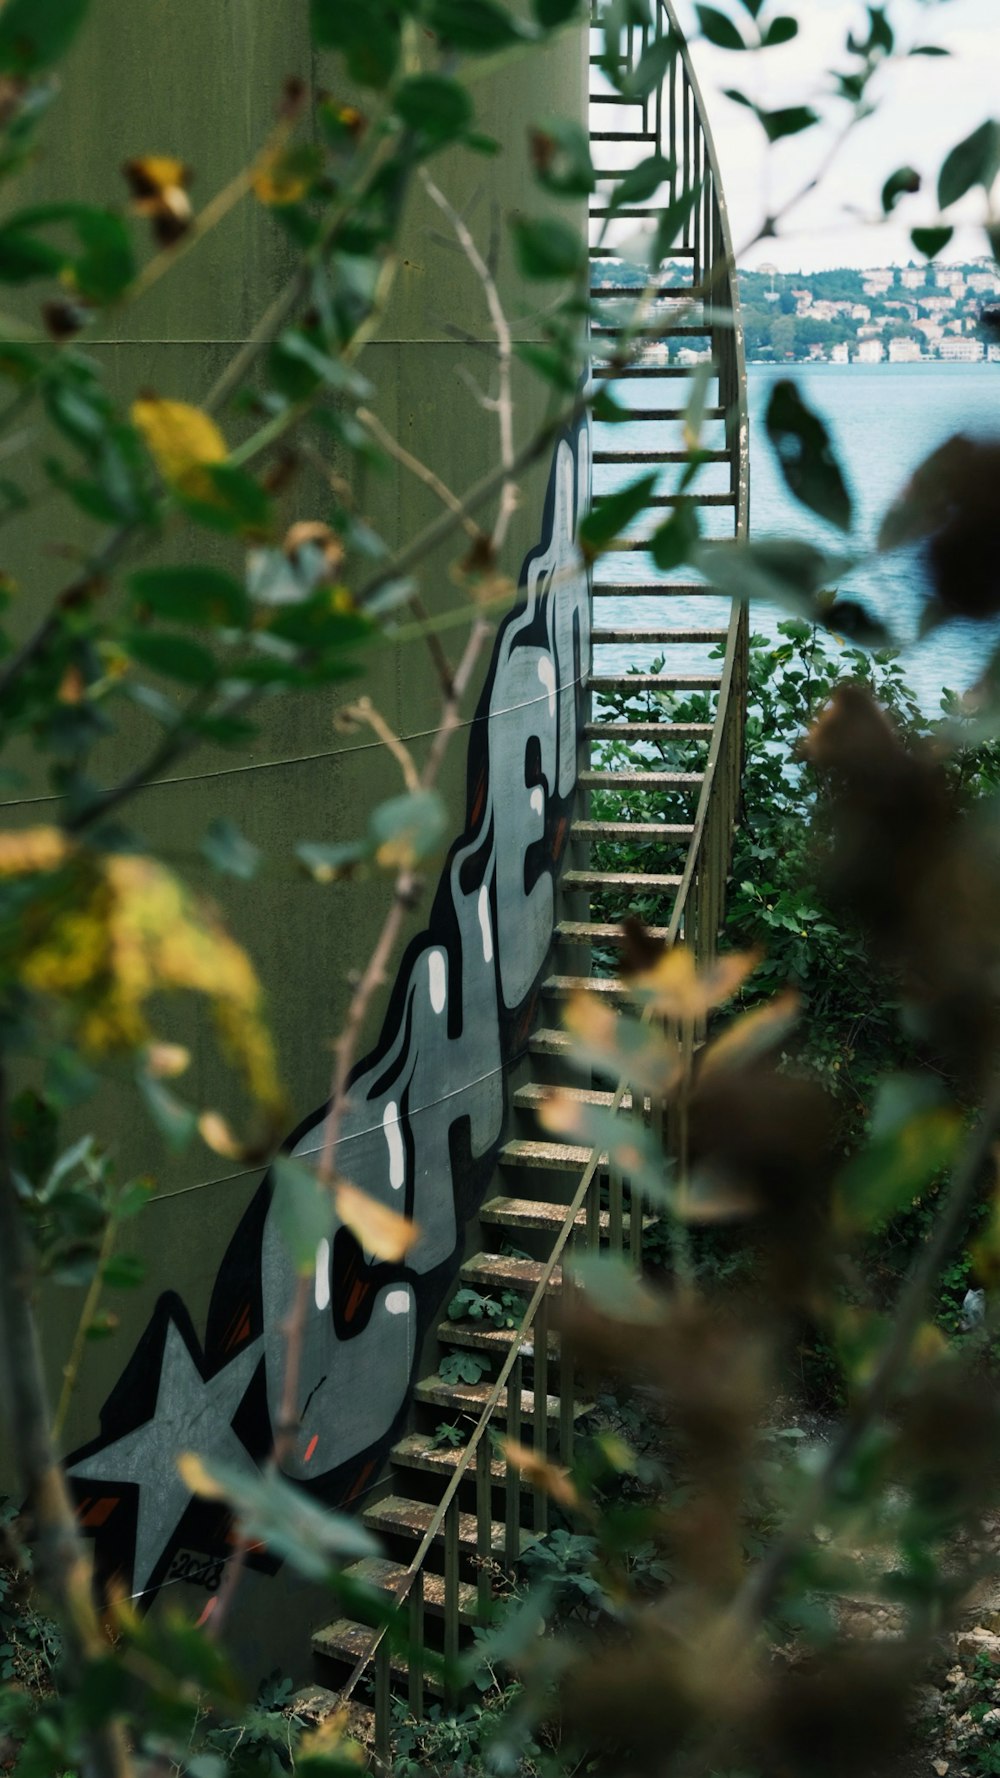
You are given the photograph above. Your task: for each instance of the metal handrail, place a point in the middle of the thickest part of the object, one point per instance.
(711, 836)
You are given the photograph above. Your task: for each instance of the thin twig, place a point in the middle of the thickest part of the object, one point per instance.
(365, 711)
(60, 1558)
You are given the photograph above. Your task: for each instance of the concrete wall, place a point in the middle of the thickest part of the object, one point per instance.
(197, 1359)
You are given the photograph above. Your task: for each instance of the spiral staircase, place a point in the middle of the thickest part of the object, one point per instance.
(455, 1516)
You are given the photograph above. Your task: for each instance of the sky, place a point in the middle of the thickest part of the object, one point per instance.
(928, 105)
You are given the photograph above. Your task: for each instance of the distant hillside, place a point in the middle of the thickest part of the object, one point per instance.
(900, 313)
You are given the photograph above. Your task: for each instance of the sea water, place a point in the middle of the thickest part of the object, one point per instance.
(884, 420)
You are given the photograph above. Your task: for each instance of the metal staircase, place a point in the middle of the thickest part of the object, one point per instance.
(457, 1515)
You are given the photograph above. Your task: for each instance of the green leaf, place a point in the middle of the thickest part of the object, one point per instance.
(806, 455)
(124, 1271)
(551, 13)
(238, 503)
(36, 33)
(277, 1513)
(176, 657)
(976, 161)
(642, 181)
(560, 154)
(229, 850)
(606, 521)
(436, 106)
(790, 121)
(24, 257)
(303, 1210)
(550, 362)
(175, 1121)
(106, 266)
(408, 828)
(612, 1288)
(675, 541)
(463, 1367)
(547, 247)
(478, 26)
(899, 184)
(195, 595)
(328, 862)
(780, 30)
(931, 241)
(719, 28)
(896, 1169)
(784, 571)
(672, 220)
(652, 68)
(368, 37)
(929, 49)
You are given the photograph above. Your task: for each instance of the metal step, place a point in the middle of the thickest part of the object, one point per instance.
(350, 1643)
(654, 457)
(630, 634)
(587, 932)
(418, 1450)
(560, 1157)
(642, 370)
(500, 1271)
(637, 881)
(550, 1043)
(390, 1577)
(612, 292)
(483, 1336)
(531, 1097)
(622, 136)
(629, 682)
(471, 1398)
(657, 415)
(649, 731)
(632, 830)
(525, 1213)
(395, 1517)
(603, 987)
(615, 252)
(655, 589)
(640, 780)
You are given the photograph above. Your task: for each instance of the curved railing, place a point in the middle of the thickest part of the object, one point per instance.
(686, 139)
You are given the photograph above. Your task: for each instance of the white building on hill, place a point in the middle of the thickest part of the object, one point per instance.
(958, 351)
(905, 351)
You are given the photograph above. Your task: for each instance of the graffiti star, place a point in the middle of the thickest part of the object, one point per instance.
(192, 1413)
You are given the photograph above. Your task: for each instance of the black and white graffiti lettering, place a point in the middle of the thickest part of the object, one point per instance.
(421, 1133)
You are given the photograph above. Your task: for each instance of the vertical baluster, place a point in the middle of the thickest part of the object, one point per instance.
(415, 1675)
(484, 1525)
(512, 1478)
(567, 1369)
(615, 1217)
(541, 1420)
(451, 1530)
(686, 139)
(382, 1701)
(676, 184)
(593, 1203)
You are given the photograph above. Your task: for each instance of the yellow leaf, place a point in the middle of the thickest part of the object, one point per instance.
(384, 1232)
(217, 1135)
(279, 179)
(182, 439)
(679, 991)
(33, 849)
(557, 1483)
(165, 1061)
(197, 1478)
(756, 1031)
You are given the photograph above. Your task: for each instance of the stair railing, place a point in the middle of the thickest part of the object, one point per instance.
(696, 920)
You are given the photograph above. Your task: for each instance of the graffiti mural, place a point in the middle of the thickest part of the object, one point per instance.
(421, 1133)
